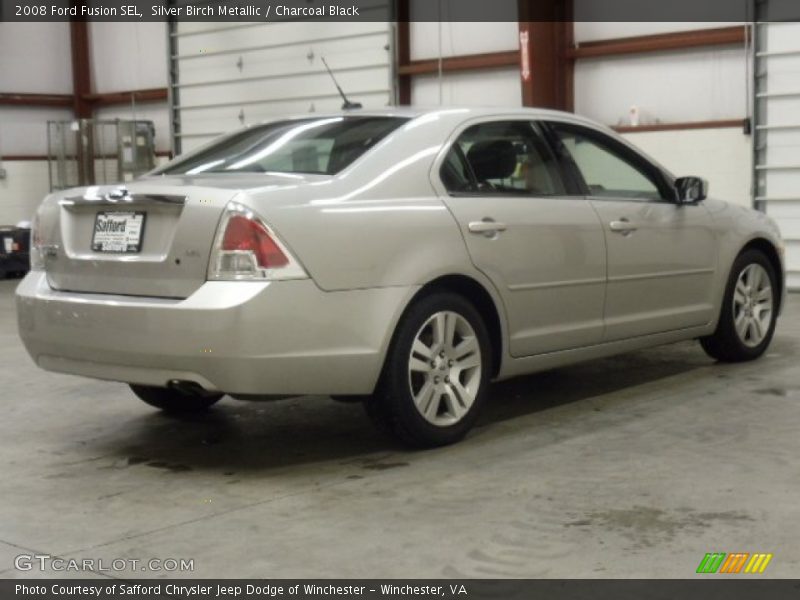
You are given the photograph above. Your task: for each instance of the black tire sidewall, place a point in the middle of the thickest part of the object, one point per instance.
(394, 390)
(725, 337)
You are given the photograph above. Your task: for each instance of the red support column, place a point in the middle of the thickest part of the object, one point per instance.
(545, 42)
(81, 88)
(403, 57)
(81, 70)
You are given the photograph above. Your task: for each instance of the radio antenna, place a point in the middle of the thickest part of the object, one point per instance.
(347, 104)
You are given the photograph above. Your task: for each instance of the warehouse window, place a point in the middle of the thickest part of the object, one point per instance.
(502, 157)
(322, 146)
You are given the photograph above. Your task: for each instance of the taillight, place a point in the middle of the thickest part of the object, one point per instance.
(252, 236)
(245, 248)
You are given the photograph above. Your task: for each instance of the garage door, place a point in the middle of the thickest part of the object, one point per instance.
(777, 132)
(226, 75)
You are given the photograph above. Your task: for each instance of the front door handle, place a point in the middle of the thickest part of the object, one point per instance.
(487, 227)
(622, 226)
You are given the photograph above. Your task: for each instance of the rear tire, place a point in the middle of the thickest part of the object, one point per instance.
(436, 374)
(749, 311)
(174, 401)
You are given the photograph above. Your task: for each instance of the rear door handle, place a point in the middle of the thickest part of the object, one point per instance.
(487, 227)
(622, 226)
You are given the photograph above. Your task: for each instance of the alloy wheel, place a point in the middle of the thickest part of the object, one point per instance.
(444, 368)
(752, 305)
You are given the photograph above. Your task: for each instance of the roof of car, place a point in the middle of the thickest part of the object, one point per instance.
(456, 112)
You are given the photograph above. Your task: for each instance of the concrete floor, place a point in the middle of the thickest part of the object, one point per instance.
(628, 467)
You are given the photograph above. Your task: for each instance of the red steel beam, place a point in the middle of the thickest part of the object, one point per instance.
(719, 124)
(126, 97)
(81, 71)
(32, 157)
(681, 40)
(37, 100)
(468, 62)
(546, 67)
(16, 157)
(403, 52)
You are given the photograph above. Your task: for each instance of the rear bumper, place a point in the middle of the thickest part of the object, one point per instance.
(285, 337)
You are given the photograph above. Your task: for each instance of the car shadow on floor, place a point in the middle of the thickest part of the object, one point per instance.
(258, 437)
(542, 391)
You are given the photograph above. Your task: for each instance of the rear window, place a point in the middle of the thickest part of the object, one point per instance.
(323, 146)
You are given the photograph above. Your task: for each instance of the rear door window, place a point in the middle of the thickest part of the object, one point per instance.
(502, 158)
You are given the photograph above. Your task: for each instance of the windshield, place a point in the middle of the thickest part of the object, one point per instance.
(322, 145)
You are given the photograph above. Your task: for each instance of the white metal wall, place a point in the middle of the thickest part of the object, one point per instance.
(132, 56)
(666, 87)
(226, 76)
(722, 156)
(777, 141)
(128, 56)
(495, 87)
(455, 38)
(591, 31)
(34, 58)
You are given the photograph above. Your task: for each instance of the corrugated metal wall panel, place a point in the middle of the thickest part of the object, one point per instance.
(226, 76)
(777, 133)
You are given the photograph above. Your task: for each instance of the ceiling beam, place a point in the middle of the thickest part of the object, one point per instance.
(680, 40)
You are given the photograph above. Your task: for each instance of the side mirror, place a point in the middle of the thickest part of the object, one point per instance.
(690, 190)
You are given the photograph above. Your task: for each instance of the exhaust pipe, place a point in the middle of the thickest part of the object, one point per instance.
(189, 388)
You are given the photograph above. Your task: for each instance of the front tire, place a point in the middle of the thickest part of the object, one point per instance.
(174, 401)
(749, 311)
(436, 373)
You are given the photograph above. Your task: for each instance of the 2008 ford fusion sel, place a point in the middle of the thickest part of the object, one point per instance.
(405, 258)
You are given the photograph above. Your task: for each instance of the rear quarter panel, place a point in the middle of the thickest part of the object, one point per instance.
(377, 224)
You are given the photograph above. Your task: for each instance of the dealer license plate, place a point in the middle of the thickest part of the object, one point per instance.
(119, 232)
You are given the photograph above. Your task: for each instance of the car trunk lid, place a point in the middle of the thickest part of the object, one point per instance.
(174, 221)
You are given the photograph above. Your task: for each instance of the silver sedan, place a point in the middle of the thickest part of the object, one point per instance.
(403, 258)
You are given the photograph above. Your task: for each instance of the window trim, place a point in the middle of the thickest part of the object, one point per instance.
(473, 180)
(606, 142)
